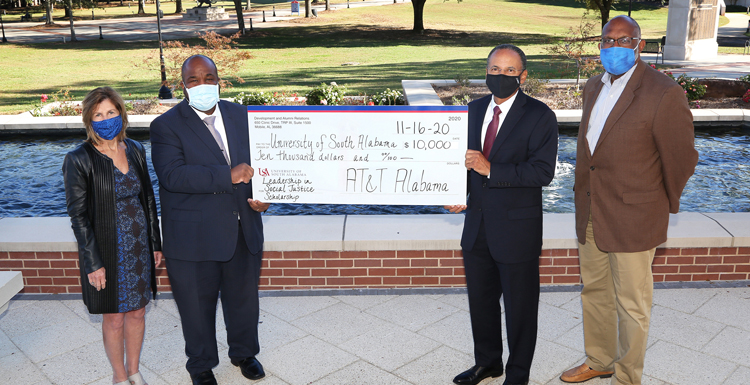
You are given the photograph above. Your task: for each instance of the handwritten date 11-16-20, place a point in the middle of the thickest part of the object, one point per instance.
(417, 128)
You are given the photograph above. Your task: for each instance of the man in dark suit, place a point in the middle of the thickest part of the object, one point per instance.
(635, 154)
(212, 228)
(502, 237)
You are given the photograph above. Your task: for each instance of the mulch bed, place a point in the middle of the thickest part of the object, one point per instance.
(568, 97)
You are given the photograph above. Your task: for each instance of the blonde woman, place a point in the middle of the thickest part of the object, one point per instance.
(112, 210)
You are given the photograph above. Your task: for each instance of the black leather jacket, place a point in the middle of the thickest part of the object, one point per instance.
(90, 198)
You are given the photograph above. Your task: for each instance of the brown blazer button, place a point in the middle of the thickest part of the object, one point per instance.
(592, 168)
(588, 194)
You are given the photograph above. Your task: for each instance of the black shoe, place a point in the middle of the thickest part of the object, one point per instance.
(204, 378)
(511, 383)
(251, 368)
(476, 374)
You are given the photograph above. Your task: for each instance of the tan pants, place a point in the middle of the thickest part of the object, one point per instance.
(617, 294)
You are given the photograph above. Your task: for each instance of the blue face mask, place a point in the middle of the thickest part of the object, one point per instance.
(617, 60)
(108, 129)
(203, 97)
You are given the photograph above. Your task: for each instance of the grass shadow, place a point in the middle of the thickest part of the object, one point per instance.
(363, 35)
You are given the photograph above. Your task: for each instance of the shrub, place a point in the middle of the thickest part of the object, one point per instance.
(462, 80)
(64, 105)
(332, 95)
(142, 107)
(745, 78)
(388, 98)
(534, 86)
(220, 49)
(256, 98)
(461, 100)
(693, 90)
(746, 97)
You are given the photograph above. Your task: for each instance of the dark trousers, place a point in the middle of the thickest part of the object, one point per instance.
(518, 284)
(196, 287)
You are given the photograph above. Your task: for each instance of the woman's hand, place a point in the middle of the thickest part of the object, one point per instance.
(97, 279)
(158, 257)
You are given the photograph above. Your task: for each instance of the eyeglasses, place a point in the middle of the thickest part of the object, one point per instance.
(623, 41)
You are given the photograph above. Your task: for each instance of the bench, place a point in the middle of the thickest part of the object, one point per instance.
(657, 47)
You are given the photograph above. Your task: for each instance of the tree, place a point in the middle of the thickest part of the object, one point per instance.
(141, 6)
(602, 6)
(178, 6)
(576, 44)
(307, 8)
(240, 17)
(48, 9)
(222, 49)
(72, 29)
(418, 6)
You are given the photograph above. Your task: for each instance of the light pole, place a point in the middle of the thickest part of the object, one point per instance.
(2, 24)
(164, 91)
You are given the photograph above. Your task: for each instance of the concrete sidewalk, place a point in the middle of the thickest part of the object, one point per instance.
(699, 335)
(173, 27)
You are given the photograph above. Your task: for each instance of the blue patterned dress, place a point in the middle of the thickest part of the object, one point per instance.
(133, 256)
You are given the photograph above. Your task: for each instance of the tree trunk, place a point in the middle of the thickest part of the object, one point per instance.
(240, 17)
(72, 29)
(418, 6)
(141, 7)
(605, 16)
(604, 7)
(48, 7)
(68, 12)
(178, 6)
(307, 8)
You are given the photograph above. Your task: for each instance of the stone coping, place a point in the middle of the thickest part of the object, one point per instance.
(421, 93)
(390, 232)
(416, 92)
(11, 282)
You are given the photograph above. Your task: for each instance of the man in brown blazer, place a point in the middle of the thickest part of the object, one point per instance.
(635, 155)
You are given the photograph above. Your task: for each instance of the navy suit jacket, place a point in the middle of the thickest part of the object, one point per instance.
(199, 203)
(522, 160)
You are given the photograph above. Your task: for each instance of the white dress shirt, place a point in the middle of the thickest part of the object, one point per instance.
(608, 96)
(218, 124)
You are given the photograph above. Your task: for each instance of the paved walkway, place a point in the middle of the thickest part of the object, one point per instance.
(698, 336)
(726, 66)
(173, 27)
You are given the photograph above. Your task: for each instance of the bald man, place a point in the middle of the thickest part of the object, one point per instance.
(635, 155)
(212, 229)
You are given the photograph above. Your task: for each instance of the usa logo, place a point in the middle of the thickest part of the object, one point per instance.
(263, 172)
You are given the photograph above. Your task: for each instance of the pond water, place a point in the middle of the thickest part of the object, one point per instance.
(31, 183)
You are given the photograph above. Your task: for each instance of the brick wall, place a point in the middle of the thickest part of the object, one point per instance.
(57, 272)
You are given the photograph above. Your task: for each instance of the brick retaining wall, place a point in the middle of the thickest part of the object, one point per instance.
(57, 272)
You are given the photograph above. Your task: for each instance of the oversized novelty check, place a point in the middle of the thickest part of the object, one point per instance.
(399, 155)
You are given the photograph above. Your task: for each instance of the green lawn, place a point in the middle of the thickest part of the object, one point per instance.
(377, 39)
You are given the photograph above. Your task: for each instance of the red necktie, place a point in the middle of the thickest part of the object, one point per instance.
(489, 138)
